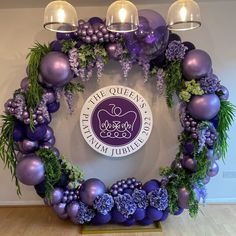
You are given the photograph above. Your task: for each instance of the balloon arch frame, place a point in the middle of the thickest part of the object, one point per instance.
(179, 70)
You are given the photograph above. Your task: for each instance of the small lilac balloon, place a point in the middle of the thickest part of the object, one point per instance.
(210, 154)
(60, 209)
(52, 141)
(24, 84)
(90, 189)
(72, 209)
(223, 93)
(55, 151)
(214, 170)
(111, 49)
(183, 198)
(20, 156)
(56, 196)
(50, 96)
(197, 194)
(179, 211)
(53, 107)
(56, 46)
(189, 163)
(197, 64)
(28, 146)
(55, 69)
(206, 180)
(154, 214)
(176, 165)
(30, 171)
(188, 147)
(49, 134)
(204, 107)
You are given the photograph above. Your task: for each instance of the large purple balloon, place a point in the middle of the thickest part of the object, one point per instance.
(214, 170)
(55, 69)
(204, 107)
(56, 196)
(30, 171)
(196, 64)
(183, 198)
(90, 189)
(28, 146)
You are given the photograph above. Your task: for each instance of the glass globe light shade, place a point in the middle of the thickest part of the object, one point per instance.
(122, 16)
(184, 15)
(60, 16)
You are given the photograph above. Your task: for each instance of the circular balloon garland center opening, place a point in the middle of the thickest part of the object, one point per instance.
(179, 71)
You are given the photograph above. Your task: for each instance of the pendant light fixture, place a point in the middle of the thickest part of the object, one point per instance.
(122, 16)
(184, 15)
(60, 16)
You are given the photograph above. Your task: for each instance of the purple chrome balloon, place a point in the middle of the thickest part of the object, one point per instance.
(183, 198)
(206, 180)
(111, 49)
(56, 196)
(60, 209)
(30, 171)
(37, 134)
(24, 84)
(28, 146)
(223, 93)
(214, 170)
(49, 134)
(197, 64)
(72, 209)
(189, 163)
(55, 69)
(204, 107)
(90, 189)
(50, 96)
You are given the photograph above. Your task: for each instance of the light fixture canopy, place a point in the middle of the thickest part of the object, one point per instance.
(122, 16)
(184, 15)
(60, 16)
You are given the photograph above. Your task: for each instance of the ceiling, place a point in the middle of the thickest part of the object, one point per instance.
(43, 3)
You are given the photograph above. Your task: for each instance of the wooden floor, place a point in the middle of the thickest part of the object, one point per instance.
(213, 220)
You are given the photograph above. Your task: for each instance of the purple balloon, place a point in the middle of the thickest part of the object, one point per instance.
(28, 146)
(56, 196)
(154, 214)
(55, 69)
(188, 147)
(165, 215)
(49, 134)
(206, 180)
(18, 132)
(90, 189)
(176, 165)
(64, 36)
(139, 214)
(56, 46)
(204, 107)
(30, 171)
(223, 93)
(20, 156)
(146, 221)
(117, 217)
(24, 84)
(130, 222)
(179, 212)
(196, 64)
(151, 185)
(72, 209)
(55, 151)
(143, 28)
(50, 96)
(111, 49)
(183, 197)
(60, 209)
(101, 219)
(94, 21)
(214, 170)
(53, 107)
(37, 134)
(189, 163)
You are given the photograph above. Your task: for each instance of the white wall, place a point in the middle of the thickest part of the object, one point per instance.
(20, 28)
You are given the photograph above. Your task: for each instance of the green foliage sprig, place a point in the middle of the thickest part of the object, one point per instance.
(7, 152)
(226, 118)
(52, 169)
(74, 88)
(173, 80)
(74, 173)
(86, 55)
(35, 91)
(191, 88)
(67, 45)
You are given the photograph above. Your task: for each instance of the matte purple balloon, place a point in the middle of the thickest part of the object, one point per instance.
(24, 84)
(37, 134)
(224, 93)
(197, 64)
(28, 146)
(90, 189)
(56, 196)
(214, 170)
(204, 107)
(101, 219)
(30, 171)
(72, 209)
(55, 69)
(183, 198)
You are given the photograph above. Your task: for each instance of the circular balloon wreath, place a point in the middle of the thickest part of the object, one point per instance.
(180, 71)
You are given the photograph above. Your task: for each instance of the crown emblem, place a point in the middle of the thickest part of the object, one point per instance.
(116, 124)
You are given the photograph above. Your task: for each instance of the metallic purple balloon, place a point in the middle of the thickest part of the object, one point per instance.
(176, 165)
(90, 189)
(55, 151)
(214, 170)
(60, 209)
(189, 163)
(55, 69)
(206, 180)
(56, 196)
(28, 146)
(30, 171)
(72, 209)
(111, 49)
(50, 96)
(24, 84)
(224, 93)
(204, 107)
(196, 64)
(183, 197)
(95, 21)
(20, 156)
(49, 134)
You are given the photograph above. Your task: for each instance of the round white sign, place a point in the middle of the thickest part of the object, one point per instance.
(116, 121)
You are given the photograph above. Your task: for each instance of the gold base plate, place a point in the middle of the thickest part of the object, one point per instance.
(112, 229)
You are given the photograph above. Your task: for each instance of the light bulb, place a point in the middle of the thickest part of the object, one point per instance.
(183, 13)
(61, 15)
(122, 15)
